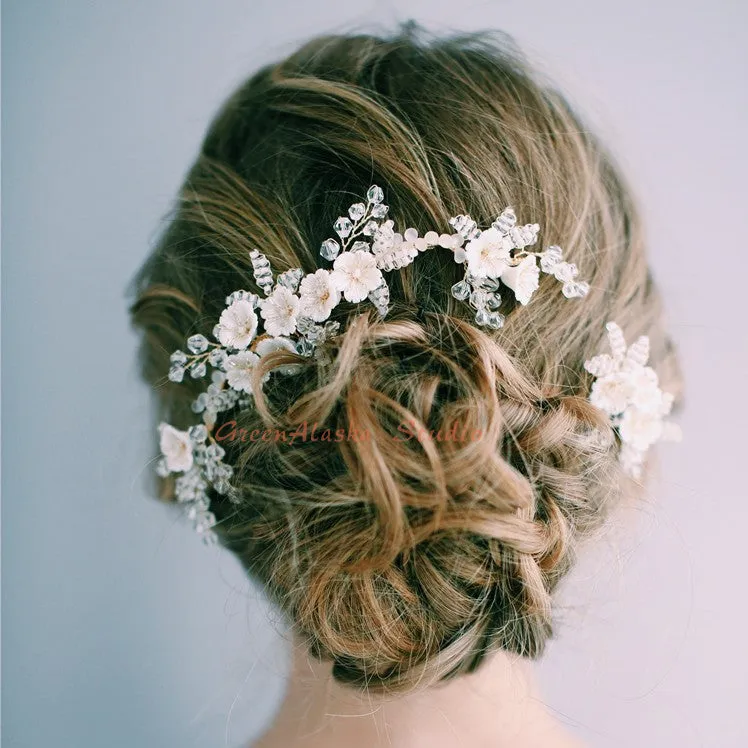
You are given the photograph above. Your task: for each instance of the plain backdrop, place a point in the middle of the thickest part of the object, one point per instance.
(119, 628)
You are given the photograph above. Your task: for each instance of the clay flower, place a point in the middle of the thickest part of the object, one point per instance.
(239, 370)
(237, 325)
(489, 254)
(176, 448)
(355, 274)
(318, 295)
(523, 278)
(280, 311)
(627, 390)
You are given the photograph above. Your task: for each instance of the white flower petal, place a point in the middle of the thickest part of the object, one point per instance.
(237, 325)
(280, 311)
(355, 274)
(319, 296)
(523, 279)
(239, 370)
(176, 447)
(488, 255)
(639, 429)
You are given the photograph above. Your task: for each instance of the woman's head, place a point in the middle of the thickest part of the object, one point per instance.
(399, 555)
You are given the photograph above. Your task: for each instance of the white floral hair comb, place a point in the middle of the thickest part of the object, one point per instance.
(628, 391)
(295, 311)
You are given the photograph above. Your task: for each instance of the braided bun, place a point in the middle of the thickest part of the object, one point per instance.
(412, 497)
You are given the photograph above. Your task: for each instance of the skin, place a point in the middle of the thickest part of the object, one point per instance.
(498, 707)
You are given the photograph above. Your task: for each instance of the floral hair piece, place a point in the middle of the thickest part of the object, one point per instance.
(294, 315)
(628, 391)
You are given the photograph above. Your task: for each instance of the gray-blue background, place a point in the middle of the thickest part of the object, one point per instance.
(119, 628)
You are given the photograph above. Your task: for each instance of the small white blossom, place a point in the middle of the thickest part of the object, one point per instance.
(523, 279)
(612, 394)
(318, 295)
(239, 370)
(489, 254)
(627, 390)
(640, 430)
(646, 394)
(280, 311)
(176, 447)
(237, 325)
(355, 274)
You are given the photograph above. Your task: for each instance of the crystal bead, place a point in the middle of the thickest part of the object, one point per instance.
(221, 486)
(242, 296)
(380, 297)
(379, 210)
(410, 235)
(496, 320)
(506, 221)
(198, 433)
(197, 344)
(216, 331)
(200, 403)
(478, 299)
(550, 258)
(374, 194)
(360, 246)
(482, 317)
(329, 249)
(215, 452)
(465, 226)
(263, 275)
(522, 236)
(176, 373)
(218, 378)
(575, 290)
(490, 284)
(565, 271)
(461, 290)
(204, 522)
(198, 369)
(357, 211)
(304, 347)
(178, 357)
(370, 228)
(493, 300)
(343, 227)
(217, 358)
(305, 325)
(291, 279)
(583, 288)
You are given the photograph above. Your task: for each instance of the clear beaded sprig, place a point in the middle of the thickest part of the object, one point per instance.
(499, 256)
(293, 316)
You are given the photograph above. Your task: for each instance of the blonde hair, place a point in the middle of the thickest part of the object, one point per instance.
(409, 559)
